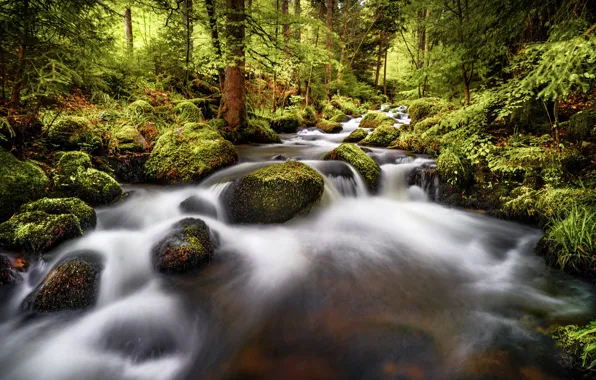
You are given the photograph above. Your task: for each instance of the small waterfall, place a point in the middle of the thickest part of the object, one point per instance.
(397, 183)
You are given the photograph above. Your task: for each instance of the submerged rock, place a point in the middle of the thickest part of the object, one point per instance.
(329, 126)
(73, 284)
(189, 154)
(375, 120)
(356, 136)
(381, 136)
(274, 194)
(77, 178)
(73, 133)
(363, 164)
(37, 232)
(57, 206)
(187, 247)
(198, 205)
(20, 182)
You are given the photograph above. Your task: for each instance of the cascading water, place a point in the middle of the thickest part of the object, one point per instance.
(363, 287)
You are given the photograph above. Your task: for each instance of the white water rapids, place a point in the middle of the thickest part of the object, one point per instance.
(363, 287)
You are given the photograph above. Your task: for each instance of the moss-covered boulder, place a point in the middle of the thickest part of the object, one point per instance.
(38, 232)
(189, 154)
(274, 194)
(356, 136)
(375, 120)
(20, 182)
(340, 117)
(76, 178)
(188, 112)
(74, 133)
(57, 206)
(381, 136)
(455, 169)
(258, 131)
(187, 247)
(7, 275)
(128, 139)
(287, 123)
(198, 205)
(308, 116)
(576, 344)
(329, 126)
(140, 107)
(582, 125)
(425, 107)
(72, 285)
(347, 106)
(363, 164)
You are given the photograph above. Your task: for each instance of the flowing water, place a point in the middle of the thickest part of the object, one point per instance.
(391, 286)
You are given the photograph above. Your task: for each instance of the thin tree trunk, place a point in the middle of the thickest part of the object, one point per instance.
(297, 13)
(329, 39)
(385, 68)
(188, 25)
(19, 80)
(286, 26)
(210, 8)
(379, 56)
(311, 68)
(234, 89)
(556, 122)
(128, 30)
(274, 105)
(343, 49)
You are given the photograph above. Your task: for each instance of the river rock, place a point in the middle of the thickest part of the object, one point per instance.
(329, 126)
(187, 247)
(7, 275)
(77, 178)
(20, 182)
(375, 120)
(73, 133)
(57, 206)
(381, 136)
(198, 205)
(189, 154)
(274, 194)
(356, 136)
(287, 123)
(363, 164)
(128, 139)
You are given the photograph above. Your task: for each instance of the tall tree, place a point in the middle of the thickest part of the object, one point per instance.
(329, 39)
(128, 30)
(234, 87)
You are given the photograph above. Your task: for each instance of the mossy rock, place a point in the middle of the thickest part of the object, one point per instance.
(20, 182)
(375, 120)
(356, 136)
(274, 194)
(347, 106)
(363, 164)
(381, 136)
(287, 123)
(37, 232)
(72, 285)
(558, 202)
(7, 275)
(258, 131)
(57, 206)
(189, 154)
(329, 126)
(76, 178)
(188, 112)
(340, 117)
(308, 116)
(74, 133)
(582, 125)
(455, 169)
(420, 109)
(140, 107)
(128, 139)
(187, 247)
(574, 344)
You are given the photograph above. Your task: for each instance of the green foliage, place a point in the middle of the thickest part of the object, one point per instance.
(188, 112)
(454, 168)
(578, 342)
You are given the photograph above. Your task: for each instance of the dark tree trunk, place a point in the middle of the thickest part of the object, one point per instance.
(329, 39)
(286, 27)
(234, 91)
(19, 80)
(379, 56)
(297, 12)
(128, 30)
(188, 26)
(210, 8)
(385, 68)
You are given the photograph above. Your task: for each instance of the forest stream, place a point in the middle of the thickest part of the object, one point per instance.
(386, 286)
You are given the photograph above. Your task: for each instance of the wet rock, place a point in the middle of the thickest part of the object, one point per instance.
(187, 247)
(128, 139)
(375, 120)
(280, 157)
(77, 178)
(381, 136)
(20, 182)
(129, 168)
(189, 154)
(7, 275)
(197, 205)
(257, 131)
(37, 232)
(274, 194)
(363, 164)
(356, 136)
(73, 133)
(72, 285)
(288, 123)
(57, 206)
(340, 117)
(329, 126)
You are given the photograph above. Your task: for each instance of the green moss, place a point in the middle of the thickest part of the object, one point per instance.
(77, 178)
(340, 117)
(579, 344)
(74, 133)
(375, 120)
(308, 116)
(347, 106)
(425, 107)
(454, 168)
(329, 126)
(73, 284)
(37, 232)
(417, 143)
(20, 182)
(582, 125)
(363, 164)
(560, 202)
(128, 138)
(187, 247)
(356, 135)
(188, 112)
(274, 194)
(56, 206)
(189, 154)
(140, 107)
(258, 131)
(381, 136)
(425, 124)
(287, 123)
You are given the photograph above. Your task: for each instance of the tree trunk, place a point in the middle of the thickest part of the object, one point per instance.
(379, 56)
(128, 30)
(234, 89)
(188, 26)
(329, 39)
(385, 68)
(286, 27)
(297, 13)
(311, 69)
(19, 80)
(210, 8)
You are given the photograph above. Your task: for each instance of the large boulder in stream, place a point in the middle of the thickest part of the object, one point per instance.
(58, 206)
(328, 126)
(198, 205)
(187, 247)
(382, 136)
(189, 154)
(363, 164)
(274, 194)
(356, 136)
(73, 284)
(20, 182)
(76, 178)
(375, 120)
